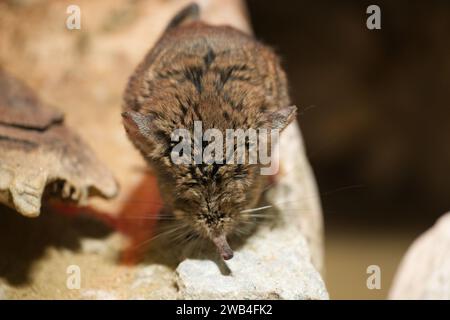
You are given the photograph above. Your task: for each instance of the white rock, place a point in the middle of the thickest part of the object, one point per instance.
(152, 282)
(99, 294)
(295, 193)
(425, 270)
(271, 265)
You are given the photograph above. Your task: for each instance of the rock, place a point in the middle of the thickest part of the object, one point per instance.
(273, 264)
(38, 150)
(92, 294)
(424, 272)
(295, 193)
(153, 282)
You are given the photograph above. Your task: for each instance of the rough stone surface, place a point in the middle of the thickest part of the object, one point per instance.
(37, 149)
(271, 265)
(425, 270)
(295, 193)
(91, 294)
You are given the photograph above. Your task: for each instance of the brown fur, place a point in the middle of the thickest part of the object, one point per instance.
(225, 79)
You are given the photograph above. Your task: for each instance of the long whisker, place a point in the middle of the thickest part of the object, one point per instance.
(182, 236)
(275, 206)
(144, 201)
(327, 193)
(150, 217)
(164, 233)
(256, 209)
(286, 212)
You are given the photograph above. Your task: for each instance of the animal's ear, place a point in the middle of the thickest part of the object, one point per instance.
(282, 117)
(138, 126)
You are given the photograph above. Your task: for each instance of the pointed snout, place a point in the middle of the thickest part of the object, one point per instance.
(223, 247)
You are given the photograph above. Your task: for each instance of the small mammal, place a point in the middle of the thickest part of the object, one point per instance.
(224, 78)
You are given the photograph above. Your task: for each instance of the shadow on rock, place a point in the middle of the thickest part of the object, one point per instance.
(23, 241)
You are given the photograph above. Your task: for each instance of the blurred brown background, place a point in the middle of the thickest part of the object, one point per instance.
(375, 123)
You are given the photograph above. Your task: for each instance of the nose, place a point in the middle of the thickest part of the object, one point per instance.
(223, 247)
